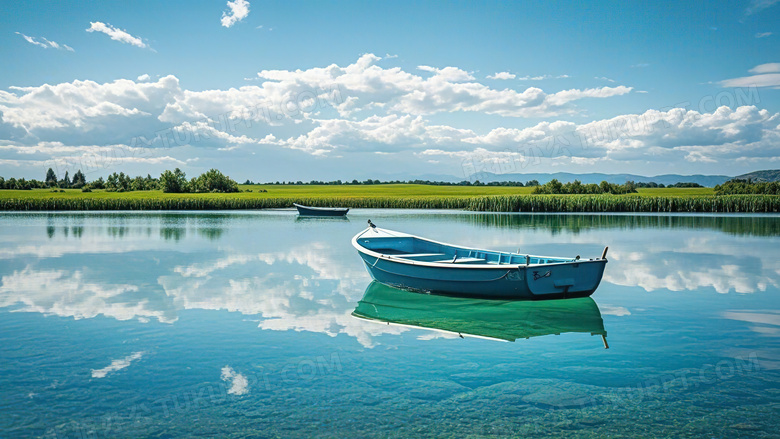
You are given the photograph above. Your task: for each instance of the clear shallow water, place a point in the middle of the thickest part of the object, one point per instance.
(240, 325)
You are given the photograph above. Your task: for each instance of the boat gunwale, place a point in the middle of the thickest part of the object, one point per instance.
(395, 258)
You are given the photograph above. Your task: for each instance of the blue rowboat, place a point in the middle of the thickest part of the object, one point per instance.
(410, 262)
(506, 320)
(321, 211)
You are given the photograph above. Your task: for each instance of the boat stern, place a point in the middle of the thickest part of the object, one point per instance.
(575, 279)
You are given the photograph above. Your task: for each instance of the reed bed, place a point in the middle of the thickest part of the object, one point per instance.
(491, 203)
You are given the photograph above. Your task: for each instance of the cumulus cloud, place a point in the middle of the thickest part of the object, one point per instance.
(238, 10)
(116, 365)
(378, 134)
(45, 43)
(764, 75)
(116, 34)
(364, 86)
(239, 385)
(85, 105)
(502, 75)
(283, 96)
(676, 134)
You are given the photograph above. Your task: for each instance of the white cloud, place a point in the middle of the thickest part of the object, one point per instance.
(677, 134)
(143, 78)
(534, 78)
(239, 9)
(85, 105)
(46, 43)
(502, 75)
(448, 74)
(383, 134)
(603, 78)
(763, 34)
(757, 6)
(116, 34)
(764, 75)
(116, 365)
(126, 106)
(766, 68)
(238, 382)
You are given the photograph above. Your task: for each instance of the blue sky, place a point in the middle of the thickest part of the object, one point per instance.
(326, 90)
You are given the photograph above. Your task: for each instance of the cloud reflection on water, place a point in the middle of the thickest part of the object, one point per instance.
(305, 276)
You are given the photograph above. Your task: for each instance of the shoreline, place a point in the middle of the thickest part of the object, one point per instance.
(483, 203)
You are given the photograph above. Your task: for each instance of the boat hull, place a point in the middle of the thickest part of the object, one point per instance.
(321, 211)
(512, 282)
(412, 263)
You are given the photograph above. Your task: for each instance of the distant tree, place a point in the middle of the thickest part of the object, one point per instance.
(150, 183)
(65, 182)
(532, 183)
(173, 182)
(51, 178)
(112, 182)
(683, 184)
(79, 179)
(138, 184)
(215, 181)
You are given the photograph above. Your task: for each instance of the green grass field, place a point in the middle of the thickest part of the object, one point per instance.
(326, 191)
(480, 198)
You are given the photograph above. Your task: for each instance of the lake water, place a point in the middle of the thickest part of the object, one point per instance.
(239, 324)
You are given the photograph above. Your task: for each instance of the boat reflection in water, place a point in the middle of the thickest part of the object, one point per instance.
(492, 319)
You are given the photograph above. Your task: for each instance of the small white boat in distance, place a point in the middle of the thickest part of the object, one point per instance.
(410, 262)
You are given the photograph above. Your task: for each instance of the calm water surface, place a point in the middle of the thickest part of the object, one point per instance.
(240, 324)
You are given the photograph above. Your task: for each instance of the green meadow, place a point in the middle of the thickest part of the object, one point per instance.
(475, 198)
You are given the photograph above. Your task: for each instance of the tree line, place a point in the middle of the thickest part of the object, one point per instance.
(169, 181)
(748, 187)
(576, 187)
(423, 182)
(530, 183)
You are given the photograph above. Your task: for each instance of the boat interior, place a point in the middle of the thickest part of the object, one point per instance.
(417, 249)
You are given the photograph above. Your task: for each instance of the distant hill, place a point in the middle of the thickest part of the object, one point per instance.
(758, 176)
(404, 177)
(666, 179)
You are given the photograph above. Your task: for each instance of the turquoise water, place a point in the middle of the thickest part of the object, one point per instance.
(240, 324)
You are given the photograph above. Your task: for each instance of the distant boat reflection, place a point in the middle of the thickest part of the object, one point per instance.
(492, 319)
